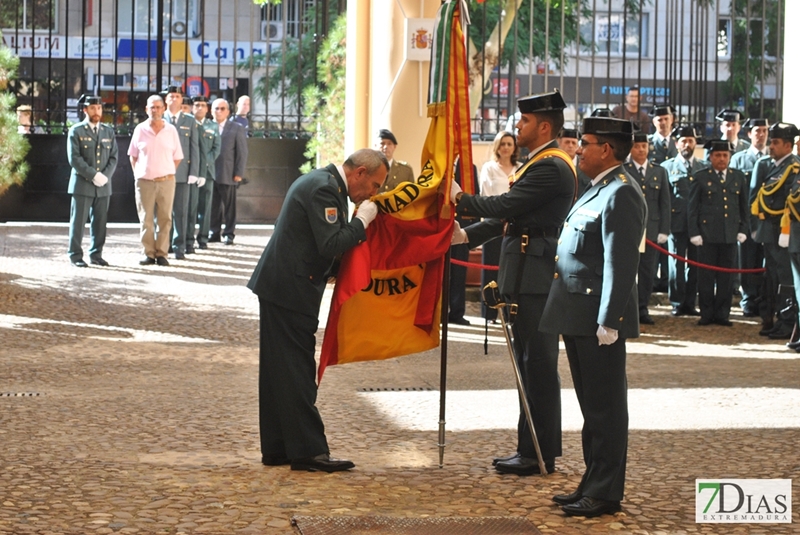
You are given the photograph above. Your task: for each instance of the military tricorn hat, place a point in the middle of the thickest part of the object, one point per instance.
(640, 137)
(200, 98)
(752, 123)
(187, 101)
(387, 134)
(658, 111)
(607, 126)
(542, 102)
(684, 130)
(713, 145)
(603, 112)
(786, 131)
(569, 133)
(86, 100)
(732, 116)
(171, 89)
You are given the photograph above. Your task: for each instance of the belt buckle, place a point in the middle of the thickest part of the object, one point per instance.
(512, 309)
(523, 243)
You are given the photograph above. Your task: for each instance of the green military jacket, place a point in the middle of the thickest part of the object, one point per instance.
(209, 145)
(186, 125)
(718, 208)
(88, 154)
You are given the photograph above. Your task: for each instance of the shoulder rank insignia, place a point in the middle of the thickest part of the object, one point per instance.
(331, 215)
(622, 177)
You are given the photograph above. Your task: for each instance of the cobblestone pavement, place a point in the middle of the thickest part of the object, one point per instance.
(145, 413)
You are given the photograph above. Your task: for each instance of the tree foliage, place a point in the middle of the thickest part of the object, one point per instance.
(325, 100)
(13, 145)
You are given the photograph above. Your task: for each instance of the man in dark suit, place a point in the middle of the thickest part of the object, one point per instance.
(230, 166)
(681, 171)
(769, 187)
(399, 171)
(186, 175)
(92, 152)
(751, 253)
(532, 213)
(593, 305)
(312, 229)
(653, 181)
(717, 221)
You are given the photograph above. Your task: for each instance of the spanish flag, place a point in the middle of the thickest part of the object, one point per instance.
(387, 299)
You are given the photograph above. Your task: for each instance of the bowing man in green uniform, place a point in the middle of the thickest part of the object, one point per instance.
(209, 146)
(92, 154)
(718, 215)
(593, 305)
(529, 218)
(312, 229)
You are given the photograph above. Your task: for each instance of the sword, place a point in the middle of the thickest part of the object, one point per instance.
(492, 299)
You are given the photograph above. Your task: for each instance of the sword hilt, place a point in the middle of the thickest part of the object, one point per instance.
(491, 296)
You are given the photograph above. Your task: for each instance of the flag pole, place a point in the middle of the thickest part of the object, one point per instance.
(443, 359)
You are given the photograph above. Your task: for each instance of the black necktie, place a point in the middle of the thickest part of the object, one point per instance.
(641, 172)
(721, 176)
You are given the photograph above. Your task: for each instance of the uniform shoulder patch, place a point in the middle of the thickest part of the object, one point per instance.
(331, 215)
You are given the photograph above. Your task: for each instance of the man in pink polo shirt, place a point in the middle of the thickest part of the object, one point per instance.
(155, 153)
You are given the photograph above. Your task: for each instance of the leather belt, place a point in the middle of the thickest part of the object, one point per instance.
(163, 178)
(534, 232)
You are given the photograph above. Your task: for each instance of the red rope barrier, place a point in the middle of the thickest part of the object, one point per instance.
(704, 266)
(470, 264)
(651, 244)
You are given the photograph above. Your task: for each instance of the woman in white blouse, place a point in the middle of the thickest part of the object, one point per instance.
(494, 180)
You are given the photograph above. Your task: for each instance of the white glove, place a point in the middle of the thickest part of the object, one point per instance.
(459, 235)
(783, 240)
(192, 179)
(201, 181)
(741, 238)
(696, 240)
(455, 189)
(606, 335)
(662, 238)
(367, 211)
(100, 180)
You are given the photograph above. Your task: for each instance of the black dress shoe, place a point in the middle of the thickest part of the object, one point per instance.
(202, 246)
(79, 263)
(98, 262)
(690, 311)
(646, 320)
(459, 321)
(162, 261)
(724, 323)
(504, 459)
(567, 499)
(228, 240)
(677, 311)
(704, 321)
(590, 507)
(147, 261)
(793, 345)
(749, 314)
(523, 466)
(189, 249)
(214, 238)
(322, 463)
(275, 460)
(179, 256)
(783, 331)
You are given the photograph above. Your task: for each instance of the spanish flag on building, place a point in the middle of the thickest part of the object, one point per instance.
(387, 298)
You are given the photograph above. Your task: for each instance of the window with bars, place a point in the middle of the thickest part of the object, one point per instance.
(608, 32)
(139, 17)
(28, 15)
